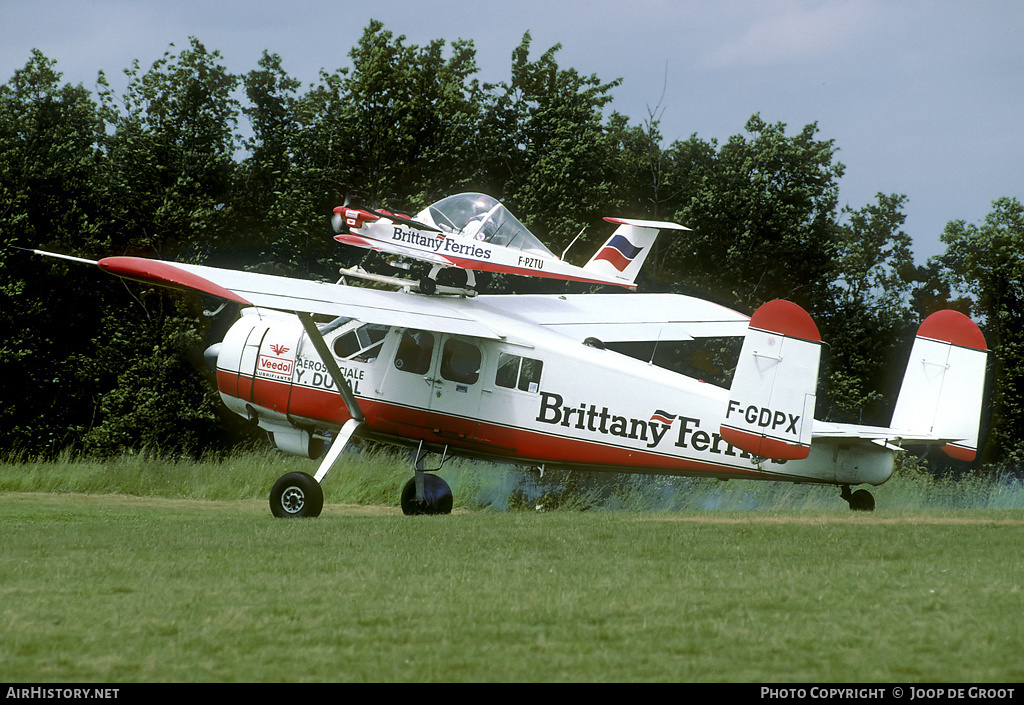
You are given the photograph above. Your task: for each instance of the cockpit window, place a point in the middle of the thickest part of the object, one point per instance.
(362, 344)
(482, 217)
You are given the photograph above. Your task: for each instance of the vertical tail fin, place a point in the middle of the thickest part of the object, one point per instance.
(943, 386)
(624, 253)
(771, 401)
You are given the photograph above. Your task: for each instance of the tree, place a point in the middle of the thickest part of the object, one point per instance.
(277, 215)
(398, 125)
(869, 315)
(763, 209)
(170, 155)
(545, 149)
(168, 174)
(985, 262)
(48, 163)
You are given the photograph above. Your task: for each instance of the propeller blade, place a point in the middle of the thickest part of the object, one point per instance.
(405, 221)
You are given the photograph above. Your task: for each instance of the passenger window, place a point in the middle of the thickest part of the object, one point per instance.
(362, 344)
(515, 372)
(414, 352)
(460, 361)
(529, 375)
(508, 370)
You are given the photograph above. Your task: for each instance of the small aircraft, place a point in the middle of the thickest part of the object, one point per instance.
(475, 232)
(543, 380)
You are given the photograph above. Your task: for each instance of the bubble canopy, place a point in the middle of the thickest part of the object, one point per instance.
(483, 218)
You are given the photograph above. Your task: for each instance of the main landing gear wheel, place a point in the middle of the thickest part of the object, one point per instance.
(437, 497)
(296, 495)
(859, 501)
(428, 286)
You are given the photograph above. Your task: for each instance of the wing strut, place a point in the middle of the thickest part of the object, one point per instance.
(344, 389)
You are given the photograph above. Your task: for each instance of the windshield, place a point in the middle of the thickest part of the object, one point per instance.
(480, 216)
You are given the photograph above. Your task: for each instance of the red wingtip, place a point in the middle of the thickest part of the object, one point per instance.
(952, 327)
(165, 274)
(785, 318)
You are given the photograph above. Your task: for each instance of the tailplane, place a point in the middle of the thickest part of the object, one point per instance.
(944, 384)
(771, 402)
(625, 252)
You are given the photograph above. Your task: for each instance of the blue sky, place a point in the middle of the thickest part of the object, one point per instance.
(922, 98)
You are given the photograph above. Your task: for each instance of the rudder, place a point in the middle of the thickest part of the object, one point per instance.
(624, 253)
(944, 384)
(771, 401)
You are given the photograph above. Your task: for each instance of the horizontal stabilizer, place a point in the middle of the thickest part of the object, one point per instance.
(771, 402)
(943, 386)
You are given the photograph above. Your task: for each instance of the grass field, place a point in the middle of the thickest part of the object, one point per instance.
(144, 570)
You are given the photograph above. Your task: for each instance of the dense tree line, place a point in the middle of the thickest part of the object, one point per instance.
(193, 163)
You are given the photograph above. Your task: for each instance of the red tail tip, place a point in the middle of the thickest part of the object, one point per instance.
(952, 327)
(785, 318)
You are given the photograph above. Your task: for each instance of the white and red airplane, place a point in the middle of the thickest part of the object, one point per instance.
(476, 233)
(536, 380)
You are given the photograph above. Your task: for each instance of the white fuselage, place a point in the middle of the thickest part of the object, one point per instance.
(535, 396)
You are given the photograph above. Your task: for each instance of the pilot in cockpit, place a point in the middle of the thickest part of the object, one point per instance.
(475, 225)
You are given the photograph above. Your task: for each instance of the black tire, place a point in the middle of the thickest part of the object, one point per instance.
(453, 276)
(862, 501)
(296, 495)
(437, 497)
(428, 286)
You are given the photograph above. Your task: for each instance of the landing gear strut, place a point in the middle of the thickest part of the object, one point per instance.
(859, 501)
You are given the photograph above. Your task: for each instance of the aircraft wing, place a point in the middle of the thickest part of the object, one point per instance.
(608, 317)
(301, 295)
(624, 317)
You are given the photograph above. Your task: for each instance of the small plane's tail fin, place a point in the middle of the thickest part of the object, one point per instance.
(943, 386)
(624, 253)
(771, 402)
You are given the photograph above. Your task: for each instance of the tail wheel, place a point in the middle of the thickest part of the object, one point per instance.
(859, 501)
(437, 497)
(862, 501)
(296, 495)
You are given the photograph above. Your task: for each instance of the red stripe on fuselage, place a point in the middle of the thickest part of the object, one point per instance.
(387, 421)
(480, 266)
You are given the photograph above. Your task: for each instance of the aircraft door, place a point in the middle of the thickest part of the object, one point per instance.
(435, 380)
(247, 362)
(455, 397)
(408, 383)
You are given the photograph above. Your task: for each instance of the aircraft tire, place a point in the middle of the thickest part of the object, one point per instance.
(296, 495)
(862, 501)
(437, 500)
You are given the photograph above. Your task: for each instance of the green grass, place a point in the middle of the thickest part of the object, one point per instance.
(193, 580)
